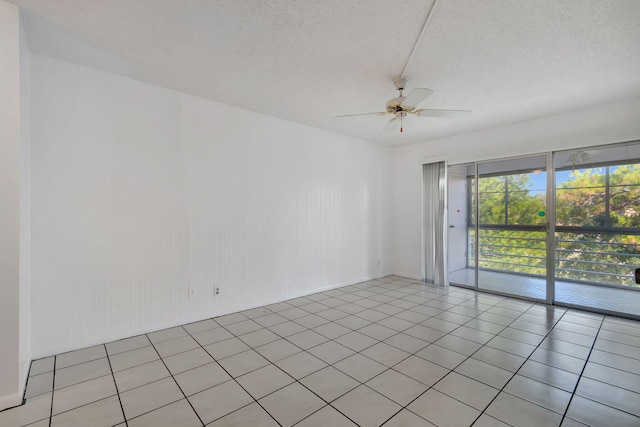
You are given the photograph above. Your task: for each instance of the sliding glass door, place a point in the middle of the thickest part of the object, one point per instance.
(561, 228)
(512, 226)
(461, 235)
(597, 232)
(505, 250)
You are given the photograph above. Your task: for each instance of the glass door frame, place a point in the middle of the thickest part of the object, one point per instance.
(557, 162)
(549, 226)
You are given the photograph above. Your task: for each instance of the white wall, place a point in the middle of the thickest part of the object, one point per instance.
(14, 85)
(139, 192)
(25, 207)
(613, 122)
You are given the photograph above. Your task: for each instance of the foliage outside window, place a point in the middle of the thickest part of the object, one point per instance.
(597, 218)
(511, 200)
(594, 206)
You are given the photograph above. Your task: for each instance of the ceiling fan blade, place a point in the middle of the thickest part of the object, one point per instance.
(381, 113)
(387, 125)
(453, 114)
(416, 96)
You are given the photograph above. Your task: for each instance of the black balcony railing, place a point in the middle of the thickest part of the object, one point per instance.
(603, 258)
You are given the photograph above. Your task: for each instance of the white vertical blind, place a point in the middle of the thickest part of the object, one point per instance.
(434, 223)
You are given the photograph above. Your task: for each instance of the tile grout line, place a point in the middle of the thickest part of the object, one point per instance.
(309, 329)
(518, 370)
(364, 355)
(238, 337)
(53, 388)
(397, 332)
(174, 380)
(448, 333)
(126, 423)
(358, 352)
(295, 380)
(381, 290)
(452, 369)
(302, 326)
(231, 376)
(575, 388)
(145, 413)
(303, 350)
(215, 360)
(410, 354)
(84, 361)
(496, 334)
(469, 356)
(82, 382)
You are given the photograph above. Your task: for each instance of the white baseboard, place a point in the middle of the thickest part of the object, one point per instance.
(181, 321)
(328, 288)
(10, 401)
(408, 276)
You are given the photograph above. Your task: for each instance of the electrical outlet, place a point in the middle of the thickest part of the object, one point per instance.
(216, 291)
(191, 292)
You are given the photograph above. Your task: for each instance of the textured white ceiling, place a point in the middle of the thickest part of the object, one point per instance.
(307, 61)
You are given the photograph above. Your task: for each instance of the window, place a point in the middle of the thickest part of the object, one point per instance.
(515, 199)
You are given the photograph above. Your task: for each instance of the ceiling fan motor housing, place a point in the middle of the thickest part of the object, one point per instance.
(394, 105)
(400, 83)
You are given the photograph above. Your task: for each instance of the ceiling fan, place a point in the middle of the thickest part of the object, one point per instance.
(402, 105)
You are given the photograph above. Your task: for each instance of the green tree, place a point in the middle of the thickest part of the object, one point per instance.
(508, 200)
(586, 253)
(625, 196)
(581, 201)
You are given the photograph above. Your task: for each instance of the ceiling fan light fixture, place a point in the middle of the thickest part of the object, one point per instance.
(394, 105)
(402, 105)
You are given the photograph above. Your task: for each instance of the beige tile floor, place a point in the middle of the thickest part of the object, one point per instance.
(390, 352)
(603, 299)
